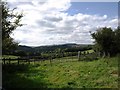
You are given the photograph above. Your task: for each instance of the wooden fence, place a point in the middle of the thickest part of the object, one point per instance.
(19, 60)
(28, 59)
(8, 60)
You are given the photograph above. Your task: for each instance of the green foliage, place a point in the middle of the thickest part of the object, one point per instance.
(58, 51)
(117, 39)
(55, 48)
(20, 53)
(89, 57)
(10, 21)
(102, 73)
(107, 40)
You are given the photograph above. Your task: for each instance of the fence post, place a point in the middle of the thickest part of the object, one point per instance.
(18, 61)
(28, 61)
(103, 55)
(59, 56)
(72, 56)
(9, 60)
(98, 54)
(34, 61)
(67, 56)
(3, 60)
(78, 55)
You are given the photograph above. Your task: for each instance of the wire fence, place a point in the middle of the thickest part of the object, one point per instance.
(52, 58)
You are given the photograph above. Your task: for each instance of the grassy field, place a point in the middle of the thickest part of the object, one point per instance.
(89, 51)
(63, 73)
(9, 56)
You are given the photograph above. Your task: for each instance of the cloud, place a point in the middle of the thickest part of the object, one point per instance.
(53, 18)
(47, 23)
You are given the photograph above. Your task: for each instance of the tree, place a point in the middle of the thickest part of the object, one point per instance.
(117, 40)
(20, 53)
(104, 40)
(10, 21)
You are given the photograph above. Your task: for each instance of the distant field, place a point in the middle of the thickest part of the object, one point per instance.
(88, 51)
(65, 72)
(9, 56)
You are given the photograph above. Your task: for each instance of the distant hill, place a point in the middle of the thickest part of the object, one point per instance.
(69, 46)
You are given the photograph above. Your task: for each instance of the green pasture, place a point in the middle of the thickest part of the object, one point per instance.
(65, 72)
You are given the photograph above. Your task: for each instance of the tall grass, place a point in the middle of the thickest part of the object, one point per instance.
(63, 73)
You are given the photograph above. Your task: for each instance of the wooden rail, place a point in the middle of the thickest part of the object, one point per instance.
(16, 59)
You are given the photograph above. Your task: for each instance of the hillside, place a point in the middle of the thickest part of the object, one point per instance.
(48, 48)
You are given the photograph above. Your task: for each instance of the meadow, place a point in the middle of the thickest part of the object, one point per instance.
(65, 72)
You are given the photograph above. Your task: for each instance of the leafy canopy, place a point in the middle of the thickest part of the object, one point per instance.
(107, 40)
(10, 21)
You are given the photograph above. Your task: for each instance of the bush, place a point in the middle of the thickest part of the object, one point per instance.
(88, 57)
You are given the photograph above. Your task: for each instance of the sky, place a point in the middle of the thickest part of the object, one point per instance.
(54, 22)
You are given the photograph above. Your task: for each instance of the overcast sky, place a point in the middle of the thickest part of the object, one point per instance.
(61, 21)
